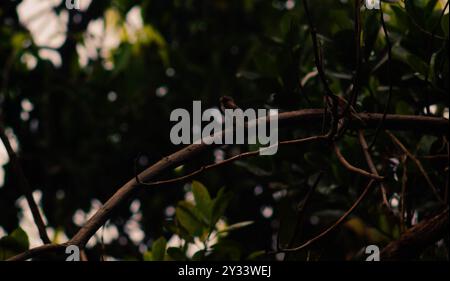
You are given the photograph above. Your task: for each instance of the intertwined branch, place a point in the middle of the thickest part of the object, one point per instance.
(334, 225)
(412, 243)
(299, 118)
(418, 164)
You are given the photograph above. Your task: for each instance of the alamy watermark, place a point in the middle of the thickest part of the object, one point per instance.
(373, 252)
(73, 4)
(73, 253)
(372, 4)
(226, 129)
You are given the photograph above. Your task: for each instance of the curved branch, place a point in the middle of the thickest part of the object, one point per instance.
(336, 224)
(352, 168)
(418, 164)
(302, 117)
(229, 160)
(373, 169)
(34, 252)
(416, 239)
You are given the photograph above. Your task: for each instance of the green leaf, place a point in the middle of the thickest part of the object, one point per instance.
(444, 24)
(122, 58)
(178, 230)
(415, 9)
(148, 256)
(401, 18)
(202, 199)
(403, 55)
(432, 72)
(176, 254)
(190, 218)
(199, 255)
(371, 32)
(255, 255)
(425, 143)
(253, 169)
(236, 226)
(220, 204)
(21, 238)
(13, 244)
(159, 249)
(430, 7)
(228, 249)
(403, 108)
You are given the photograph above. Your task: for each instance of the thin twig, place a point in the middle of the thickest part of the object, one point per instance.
(336, 224)
(389, 63)
(318, 59)
(373, 169)
(25, 186)
(227, 161)
(435, 157)
(301, 209)
(300, 117)
(403, 196)
(352, 168)
(356, 76)
(448, 172)
(418, 164)
(317, 54)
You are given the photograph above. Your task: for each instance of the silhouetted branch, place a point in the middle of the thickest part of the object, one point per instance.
(356, 75)
(373, 169)
(416, 239)
(230, 160)
(34, 252)
(25, 187)
(304, 117)
(418, 164)
(318, 59)
(352, 168)
(301, 209)
(389, 63)
(336, 224)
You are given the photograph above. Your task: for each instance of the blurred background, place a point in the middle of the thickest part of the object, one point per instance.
(83, 93)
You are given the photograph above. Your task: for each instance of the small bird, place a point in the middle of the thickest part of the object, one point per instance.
(342, 106)
(227, 102)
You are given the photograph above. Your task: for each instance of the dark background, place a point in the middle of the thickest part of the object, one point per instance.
(90, 121)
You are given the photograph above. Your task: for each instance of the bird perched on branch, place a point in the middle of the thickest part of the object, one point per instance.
(227, 102)
(341, 107)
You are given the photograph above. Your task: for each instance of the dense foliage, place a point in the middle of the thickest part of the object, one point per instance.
(78, 124)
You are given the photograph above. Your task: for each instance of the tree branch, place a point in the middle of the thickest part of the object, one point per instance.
(356, 75)
(318, 60)
(336, 224)
(301, 210)
(389, 63)
(34, 252)
(25, 187)
(302, 117)
(352, 168)
(416, 239)
(418, 164)
(373, 169)
(229, 160)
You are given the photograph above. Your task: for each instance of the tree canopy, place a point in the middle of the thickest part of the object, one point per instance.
(85, 103)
